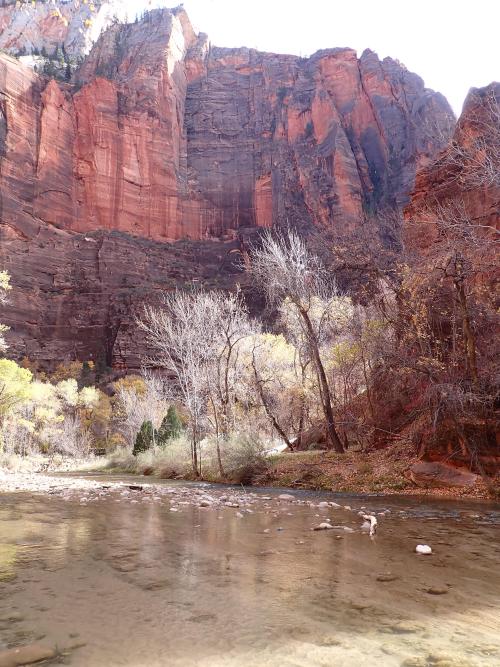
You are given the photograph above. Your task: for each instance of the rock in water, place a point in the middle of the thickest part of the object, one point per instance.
(423, 549)
(323, 526)
(26, 655)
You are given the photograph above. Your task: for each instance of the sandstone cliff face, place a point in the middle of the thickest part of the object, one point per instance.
(162, 137)
(468, 171)
(167, 138)
(28, 26)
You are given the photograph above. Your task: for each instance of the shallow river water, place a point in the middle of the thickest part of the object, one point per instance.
(121, 579)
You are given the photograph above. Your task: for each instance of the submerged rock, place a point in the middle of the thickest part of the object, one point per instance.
(26, 655)
(387, 577)
(323, 526)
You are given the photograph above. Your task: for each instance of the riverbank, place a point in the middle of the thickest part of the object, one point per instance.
(387, 472)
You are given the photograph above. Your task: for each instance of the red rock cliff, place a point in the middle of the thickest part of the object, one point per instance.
(161, 136)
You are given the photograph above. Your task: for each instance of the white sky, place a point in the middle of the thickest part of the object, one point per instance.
(452, 44)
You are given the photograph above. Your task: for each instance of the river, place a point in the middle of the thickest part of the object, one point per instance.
(149, 578)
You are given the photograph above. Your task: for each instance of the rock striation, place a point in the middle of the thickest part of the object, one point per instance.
(163, 153)
(35, 26)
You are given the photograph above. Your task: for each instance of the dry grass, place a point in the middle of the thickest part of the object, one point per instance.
(382, 471)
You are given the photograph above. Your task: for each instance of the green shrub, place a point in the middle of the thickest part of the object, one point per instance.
(171, 427)
(145, 438)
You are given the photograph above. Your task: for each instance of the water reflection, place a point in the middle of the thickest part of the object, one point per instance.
(138, 585)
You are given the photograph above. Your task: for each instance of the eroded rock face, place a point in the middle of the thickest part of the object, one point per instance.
(467, 173)
(166, 138)
(76, 295)
(160, 136)
(29, 26)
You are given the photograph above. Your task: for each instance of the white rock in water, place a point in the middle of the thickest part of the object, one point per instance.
(323, 526)
(370, 522)
(286, 496)
(423, 549)
(323, 504)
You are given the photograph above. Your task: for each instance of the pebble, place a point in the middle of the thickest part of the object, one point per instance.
(436, 590)
(423, 549)
(387, 577)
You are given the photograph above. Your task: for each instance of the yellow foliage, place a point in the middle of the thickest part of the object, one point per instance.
(5, 285)
(14, 385)
(66, 371)
(131, 383)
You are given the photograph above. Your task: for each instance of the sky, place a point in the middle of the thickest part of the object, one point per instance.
(452, 44)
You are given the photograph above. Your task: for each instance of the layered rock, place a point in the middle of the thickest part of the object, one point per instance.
(467, 171)
(35, 26)
(167, 138)
(161, 138)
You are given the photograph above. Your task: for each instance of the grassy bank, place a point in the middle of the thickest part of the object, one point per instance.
(383, 471)
(245, 462)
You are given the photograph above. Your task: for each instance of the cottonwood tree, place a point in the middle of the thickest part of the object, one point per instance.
(270, 383)
(287, 271)
(137, 400)
(194, 336)
(4, 289)
(230, 325)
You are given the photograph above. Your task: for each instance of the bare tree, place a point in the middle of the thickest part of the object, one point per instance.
(270, 385)
(137, 404)
(231, 325)
(195, 336)
(475, 148)
(286, 270)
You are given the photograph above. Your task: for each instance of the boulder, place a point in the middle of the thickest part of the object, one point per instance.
(434, 474)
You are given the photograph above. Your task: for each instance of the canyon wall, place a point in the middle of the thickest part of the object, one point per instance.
(163, 153)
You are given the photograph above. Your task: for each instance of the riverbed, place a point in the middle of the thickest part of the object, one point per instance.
(113, 571)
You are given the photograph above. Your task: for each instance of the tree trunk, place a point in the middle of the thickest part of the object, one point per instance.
(469, 338)
(332, 435)
(263, 399)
